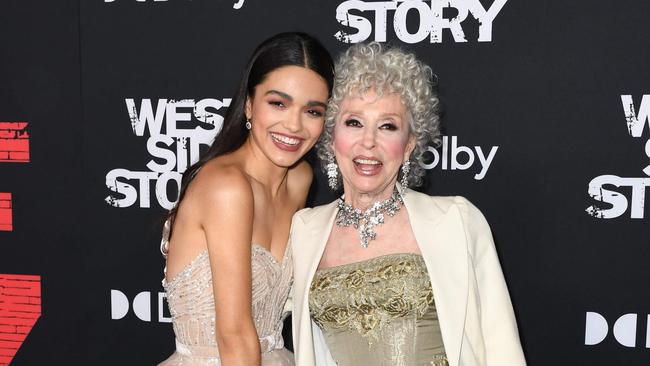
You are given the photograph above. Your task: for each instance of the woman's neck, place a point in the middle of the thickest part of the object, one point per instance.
(261, 169)
(365, 200)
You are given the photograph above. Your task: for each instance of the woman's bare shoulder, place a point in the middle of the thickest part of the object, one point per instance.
(220, 182)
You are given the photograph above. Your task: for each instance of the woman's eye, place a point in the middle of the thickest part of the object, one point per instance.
(276, 103)
(315, 113)
(352, 122)
(388, 126)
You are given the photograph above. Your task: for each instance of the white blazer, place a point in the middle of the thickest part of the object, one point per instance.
(476, 319)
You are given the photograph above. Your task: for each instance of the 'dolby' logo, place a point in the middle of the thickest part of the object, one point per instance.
(141, 306)
(617, 201)
(624, 329)
(457, 157)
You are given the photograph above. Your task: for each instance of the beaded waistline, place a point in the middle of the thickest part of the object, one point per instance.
(267, 344)
(197, 351)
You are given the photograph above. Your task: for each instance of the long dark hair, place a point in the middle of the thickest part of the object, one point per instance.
(284, 49)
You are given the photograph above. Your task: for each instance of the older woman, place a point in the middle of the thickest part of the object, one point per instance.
(386, 275)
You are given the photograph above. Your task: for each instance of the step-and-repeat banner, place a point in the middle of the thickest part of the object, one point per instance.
(104, 104)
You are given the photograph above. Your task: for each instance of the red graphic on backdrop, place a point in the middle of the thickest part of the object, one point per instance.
(20, 308)
(6, 223)
(14, 142)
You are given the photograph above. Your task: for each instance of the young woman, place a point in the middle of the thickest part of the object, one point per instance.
(228, 267)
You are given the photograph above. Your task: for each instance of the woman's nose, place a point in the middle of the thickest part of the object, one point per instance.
(293, 122)
(369, 139)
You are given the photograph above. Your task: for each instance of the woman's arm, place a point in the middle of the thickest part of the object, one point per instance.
(498, 323)
(227, 220)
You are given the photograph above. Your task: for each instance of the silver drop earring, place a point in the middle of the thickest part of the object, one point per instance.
(332, 172)
(406, 168)
(248, 124)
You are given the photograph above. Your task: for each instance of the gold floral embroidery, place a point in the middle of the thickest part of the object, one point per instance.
(404, 267)
(366, 296)
(321, 284)
(440, 360)
(337, 315)
(386, 272)
(425, 299)
(398, 306)
(355, 279)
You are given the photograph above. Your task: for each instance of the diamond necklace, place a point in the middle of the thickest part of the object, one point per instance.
(364, 222)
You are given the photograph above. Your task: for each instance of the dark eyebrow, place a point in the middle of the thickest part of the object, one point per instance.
(311, 103)
(283, 95)
(315, 103)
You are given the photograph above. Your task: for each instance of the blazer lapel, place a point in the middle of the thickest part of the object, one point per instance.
(440, 235)
(313, 233)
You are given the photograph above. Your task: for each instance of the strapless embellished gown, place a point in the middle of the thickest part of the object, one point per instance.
(191, 304)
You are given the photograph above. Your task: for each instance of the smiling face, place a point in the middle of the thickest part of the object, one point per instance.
(287, 113)
(371, 141)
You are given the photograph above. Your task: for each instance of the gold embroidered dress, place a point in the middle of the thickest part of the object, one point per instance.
(378, 312)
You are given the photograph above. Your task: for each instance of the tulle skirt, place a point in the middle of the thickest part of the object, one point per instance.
(278, 357)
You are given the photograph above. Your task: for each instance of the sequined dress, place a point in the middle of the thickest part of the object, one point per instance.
(378, 312)
(191, 304)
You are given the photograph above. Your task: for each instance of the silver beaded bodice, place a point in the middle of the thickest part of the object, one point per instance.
(191, 302)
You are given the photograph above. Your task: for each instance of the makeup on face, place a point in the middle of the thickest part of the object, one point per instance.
(371, 141)
(287, 113)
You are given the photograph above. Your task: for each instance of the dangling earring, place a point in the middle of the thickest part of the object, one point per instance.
(248, 124)
(332, 172)
(406, 168)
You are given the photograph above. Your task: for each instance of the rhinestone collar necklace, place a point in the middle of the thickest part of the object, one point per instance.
(364, 222)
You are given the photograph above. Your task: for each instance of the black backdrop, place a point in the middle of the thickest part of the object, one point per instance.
(545, 90)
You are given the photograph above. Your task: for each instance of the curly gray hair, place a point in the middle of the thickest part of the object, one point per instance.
(386, 70)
